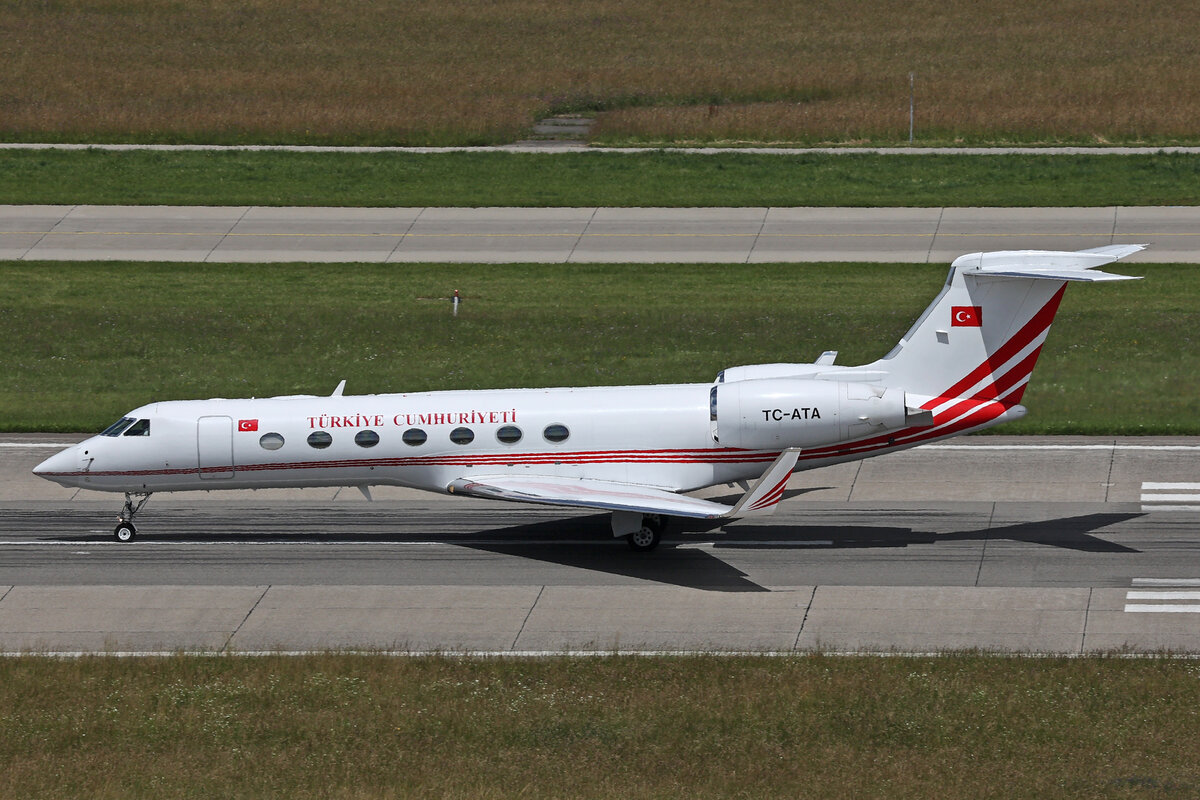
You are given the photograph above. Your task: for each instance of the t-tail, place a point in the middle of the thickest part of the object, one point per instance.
(968, 358)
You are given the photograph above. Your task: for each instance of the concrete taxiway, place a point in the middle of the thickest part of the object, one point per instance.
(1046, 545)
(577, 235)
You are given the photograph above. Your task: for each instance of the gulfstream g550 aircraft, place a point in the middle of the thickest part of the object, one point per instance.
(632, 450)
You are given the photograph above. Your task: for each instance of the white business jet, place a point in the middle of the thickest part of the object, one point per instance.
(631, 450)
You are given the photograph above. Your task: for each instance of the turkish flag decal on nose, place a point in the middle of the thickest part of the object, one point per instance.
(247, 424)
(966, 317)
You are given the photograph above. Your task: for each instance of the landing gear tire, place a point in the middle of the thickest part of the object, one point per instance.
(124, 532)
(645, 539)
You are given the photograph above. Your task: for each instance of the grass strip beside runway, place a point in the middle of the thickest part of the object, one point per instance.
(661, 179)
(87, 342)
(959, 726)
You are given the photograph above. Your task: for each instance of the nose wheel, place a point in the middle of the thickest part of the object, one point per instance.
(125, 530)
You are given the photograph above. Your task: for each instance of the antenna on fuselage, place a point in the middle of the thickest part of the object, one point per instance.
(340, 387)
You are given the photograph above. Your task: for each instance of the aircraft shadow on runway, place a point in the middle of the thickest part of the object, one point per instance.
(678, 561)
(689, 555)
(1069, 533)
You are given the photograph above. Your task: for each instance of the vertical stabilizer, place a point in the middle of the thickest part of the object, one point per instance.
(981, 336)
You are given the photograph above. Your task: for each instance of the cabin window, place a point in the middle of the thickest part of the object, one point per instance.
(319, 440)
(462, 436)
(556, 433)
(271, 441)
(118, 426)
(509, 434)
(414, 437)
(139, 428)
(366, 438)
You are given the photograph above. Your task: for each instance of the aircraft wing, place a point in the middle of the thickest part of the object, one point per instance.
(762, 497)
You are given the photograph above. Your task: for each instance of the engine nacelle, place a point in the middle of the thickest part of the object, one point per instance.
(797, 412)
(754, 372)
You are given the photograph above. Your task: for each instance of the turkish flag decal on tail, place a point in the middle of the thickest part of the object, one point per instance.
(966, 317)
(247, 424)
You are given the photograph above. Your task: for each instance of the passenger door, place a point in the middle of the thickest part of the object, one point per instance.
(214, 447)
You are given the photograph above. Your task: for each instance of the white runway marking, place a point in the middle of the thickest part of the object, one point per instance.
(1120, 447)
(1157, 496)
(24, 445)
(1179, 601)
(1166, 581)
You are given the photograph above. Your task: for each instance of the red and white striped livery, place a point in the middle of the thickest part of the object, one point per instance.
(632, 450)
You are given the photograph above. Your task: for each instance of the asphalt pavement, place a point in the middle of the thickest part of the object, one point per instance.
(1015, 544)
(581, 235)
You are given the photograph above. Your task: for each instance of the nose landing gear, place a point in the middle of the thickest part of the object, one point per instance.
(125, 530)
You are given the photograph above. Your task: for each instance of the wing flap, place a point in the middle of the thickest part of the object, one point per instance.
(762, 497)
(587, 493)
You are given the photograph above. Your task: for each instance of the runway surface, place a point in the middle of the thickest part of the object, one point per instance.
(577, 235)
(1058, 545)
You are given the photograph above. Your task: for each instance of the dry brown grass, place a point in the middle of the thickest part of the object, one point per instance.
(438, 71)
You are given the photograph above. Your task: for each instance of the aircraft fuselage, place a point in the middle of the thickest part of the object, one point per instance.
(663, 436)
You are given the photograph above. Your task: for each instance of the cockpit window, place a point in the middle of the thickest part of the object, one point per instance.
(139, 428)
(118, 426)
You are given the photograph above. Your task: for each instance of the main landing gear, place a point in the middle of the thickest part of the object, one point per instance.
(647, 537)
(125, 530)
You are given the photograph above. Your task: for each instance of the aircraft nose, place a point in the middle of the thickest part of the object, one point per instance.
(59, 466)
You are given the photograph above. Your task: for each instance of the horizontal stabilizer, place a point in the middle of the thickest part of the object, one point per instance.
(1049, 264)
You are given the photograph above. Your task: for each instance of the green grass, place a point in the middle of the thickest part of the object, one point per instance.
(86, 342)
(594, 179)
(962, 726)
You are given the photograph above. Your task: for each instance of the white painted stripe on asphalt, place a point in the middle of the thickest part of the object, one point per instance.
(1125, 447)
(22, 445)
(1182, 597)
(1170, 496)
(1166, 581)
(1164, 608)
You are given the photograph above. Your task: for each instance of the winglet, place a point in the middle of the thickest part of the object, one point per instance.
(766, 493)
